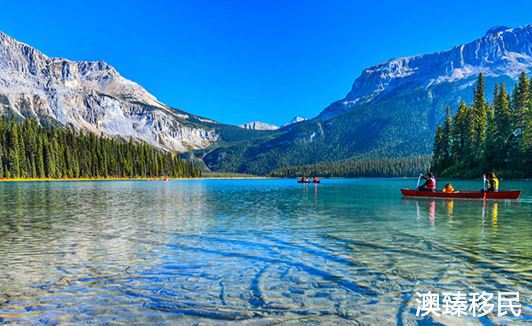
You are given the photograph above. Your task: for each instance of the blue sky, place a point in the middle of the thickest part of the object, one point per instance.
(243, 61)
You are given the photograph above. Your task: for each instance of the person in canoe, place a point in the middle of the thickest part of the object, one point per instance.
(430, 184)
(315, 180)
(448, 188)
(302, 179)
(493, 183)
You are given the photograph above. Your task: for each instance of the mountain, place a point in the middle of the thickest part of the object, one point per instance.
(502, 51)
(392, 109)
(255, 125)
(93, 96)
(294, 120)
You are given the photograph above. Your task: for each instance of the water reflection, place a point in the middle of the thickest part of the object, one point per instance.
(263, 251)
(494, 214)
(435, 210)
(306, 191)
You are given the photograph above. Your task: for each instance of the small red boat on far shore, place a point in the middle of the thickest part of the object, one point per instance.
(299, 181)
(511, 194)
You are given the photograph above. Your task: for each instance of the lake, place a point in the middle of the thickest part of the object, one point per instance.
(347, 251)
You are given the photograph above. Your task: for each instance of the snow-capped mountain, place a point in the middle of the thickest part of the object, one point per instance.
(502, 51)
(256, 125)
(91, 96)
(294, 120)
(393, 108)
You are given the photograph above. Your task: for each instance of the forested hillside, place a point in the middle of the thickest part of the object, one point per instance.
(484, 137)
(401, 127)
(28, 150)
(392, 110)
(352, 169)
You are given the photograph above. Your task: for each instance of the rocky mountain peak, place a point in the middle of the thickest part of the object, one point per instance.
(256, 125)
(501, 52)
(496, 29)
(294, 120)
(89, 96)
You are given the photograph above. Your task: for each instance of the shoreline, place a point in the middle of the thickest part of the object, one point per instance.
(226, 178)
(129, 179)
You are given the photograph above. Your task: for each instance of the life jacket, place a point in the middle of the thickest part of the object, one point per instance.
(496, 185)
(448, 189)
(432, 184)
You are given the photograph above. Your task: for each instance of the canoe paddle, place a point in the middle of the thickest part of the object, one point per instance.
(484, 187)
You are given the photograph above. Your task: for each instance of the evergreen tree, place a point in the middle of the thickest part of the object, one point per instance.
(525, 146)
(521, 101)
(13, 157)
(490, 144)
(438, 156)
(446, 140)
(460, 133)
(503, 129)
(1, 161)
(40, 159)
(49, 161)
(478, 121)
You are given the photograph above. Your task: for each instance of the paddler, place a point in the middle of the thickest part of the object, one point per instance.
(430, 184)
(315, 180)
(493, 183)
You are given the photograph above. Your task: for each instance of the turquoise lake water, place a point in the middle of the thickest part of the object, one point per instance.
(260, 252)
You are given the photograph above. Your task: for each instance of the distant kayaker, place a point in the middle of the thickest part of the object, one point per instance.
(430, 184)
(302, 179)
(448, 188)
(315, 180)
(493, 183)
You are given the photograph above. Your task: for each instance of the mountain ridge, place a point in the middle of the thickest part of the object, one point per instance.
(392, 109)
(501, 51)
(256, 125)
(92, 96)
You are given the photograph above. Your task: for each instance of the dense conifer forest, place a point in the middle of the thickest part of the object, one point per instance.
(28, 150)
(399, 167)
(483, 137)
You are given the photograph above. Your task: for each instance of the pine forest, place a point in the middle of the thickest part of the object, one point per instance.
(483, 137)
(28, 150)
(353, 169)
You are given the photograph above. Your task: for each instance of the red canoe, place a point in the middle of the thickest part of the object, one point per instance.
(299, 181)
(512, 194)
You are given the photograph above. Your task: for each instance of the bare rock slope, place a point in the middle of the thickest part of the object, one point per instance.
(91, 96)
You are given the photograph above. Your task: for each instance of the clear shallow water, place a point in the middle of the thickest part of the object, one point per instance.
(253, 252)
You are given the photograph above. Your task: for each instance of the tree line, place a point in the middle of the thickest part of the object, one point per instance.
(352, 169)
(483, 137)
(28, 150)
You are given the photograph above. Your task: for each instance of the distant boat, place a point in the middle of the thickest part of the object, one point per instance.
(512, 194)
(299, 181)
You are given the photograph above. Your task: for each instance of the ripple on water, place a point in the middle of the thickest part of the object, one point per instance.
(265, 251)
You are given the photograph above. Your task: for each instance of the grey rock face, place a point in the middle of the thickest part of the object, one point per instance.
(294, 120)
(501, 52)
(256, 125)
(90, 96)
